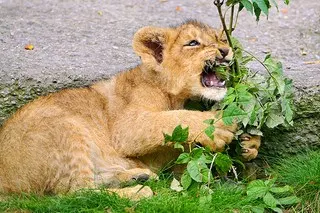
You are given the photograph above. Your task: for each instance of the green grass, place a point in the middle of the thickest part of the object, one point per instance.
(302, 172)
(225, 198)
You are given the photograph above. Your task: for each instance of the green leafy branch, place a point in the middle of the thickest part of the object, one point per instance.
(254, 100)
(199, 160)
(273, 196)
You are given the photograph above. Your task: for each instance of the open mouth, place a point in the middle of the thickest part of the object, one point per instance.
(210, 77)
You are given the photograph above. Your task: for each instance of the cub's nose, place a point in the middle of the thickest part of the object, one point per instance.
(224, 51)
(225, 55)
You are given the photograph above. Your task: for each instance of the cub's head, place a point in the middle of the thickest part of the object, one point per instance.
(183, 60)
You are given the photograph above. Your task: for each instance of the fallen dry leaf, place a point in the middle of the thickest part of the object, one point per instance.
(312, 62)
(175, 185)
(303, 52)
(284, 11)
(29, 47)
(178, 8)
(252, 39)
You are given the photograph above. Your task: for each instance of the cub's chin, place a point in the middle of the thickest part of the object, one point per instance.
(214, 86)
(214, 94)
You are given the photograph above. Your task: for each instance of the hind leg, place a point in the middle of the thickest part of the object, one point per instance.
(125, 171)
(134, 193)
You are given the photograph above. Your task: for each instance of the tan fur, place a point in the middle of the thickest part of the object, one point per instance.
(113, 131)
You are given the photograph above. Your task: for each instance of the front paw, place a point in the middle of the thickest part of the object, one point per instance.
(221, 137)
(250, 145)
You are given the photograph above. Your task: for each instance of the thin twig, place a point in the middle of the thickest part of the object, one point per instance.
(231, 20)
(236, 22)
(218, 4)
(211, 165)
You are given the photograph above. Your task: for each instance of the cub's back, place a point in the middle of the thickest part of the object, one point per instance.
(41, 133)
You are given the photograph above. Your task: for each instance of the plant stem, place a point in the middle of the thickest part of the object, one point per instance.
(237, 16)
(231, 20)
(219, 3)
(266, 68)
(210, 169)
(235, 67)
(258, 60)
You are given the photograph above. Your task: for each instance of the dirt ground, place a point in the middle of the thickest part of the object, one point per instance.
(88, 40)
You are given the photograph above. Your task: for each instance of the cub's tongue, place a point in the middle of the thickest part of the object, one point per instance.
(211, 80)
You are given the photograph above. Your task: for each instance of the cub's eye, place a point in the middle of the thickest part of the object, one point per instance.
(224, 40)
(193, 43)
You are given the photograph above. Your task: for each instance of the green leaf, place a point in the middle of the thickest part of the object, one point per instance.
(206, 158)
(278, 190)
(196, 153)
(289, 200)
(186, 180)
(286, 2)
(229, 99)
(209, 121)
(236, 43)
(179, 134)
(178, 146)
(183, 158)
(274, 120)
(232, 2)
(245, 98)
(194, 168)
(256, 189)
(167, 138)
(209, 132)
(239, 88)
(232, 113)
(278, 78)
(254, 131)
(276, 209)
(206, 174)
(273, 64)
(257, 11)
(230, 91)
(223, 163)
(262, 5)
(257, 209)
(270, 182)
(239, 132)
(248, 5)
(270, 200)
(276, 70)
(287, 109)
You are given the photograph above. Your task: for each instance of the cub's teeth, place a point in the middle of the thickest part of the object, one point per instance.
(222, 83)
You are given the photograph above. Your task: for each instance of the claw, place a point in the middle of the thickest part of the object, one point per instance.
(245, 150)
(245, 137)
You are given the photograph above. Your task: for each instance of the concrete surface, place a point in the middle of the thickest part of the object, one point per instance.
(86, 40)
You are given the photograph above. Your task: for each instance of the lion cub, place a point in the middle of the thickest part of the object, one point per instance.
(112, 132)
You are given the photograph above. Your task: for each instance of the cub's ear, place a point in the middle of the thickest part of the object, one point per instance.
(149, 43)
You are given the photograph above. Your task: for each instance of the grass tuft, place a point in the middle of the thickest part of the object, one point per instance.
(302, 172)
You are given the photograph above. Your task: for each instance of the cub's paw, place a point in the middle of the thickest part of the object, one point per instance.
(250, 145)
(221, 138)
(136, 175)
(134, 193)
